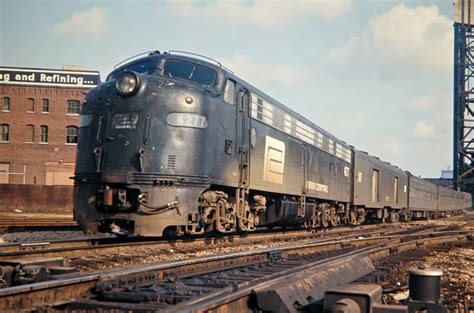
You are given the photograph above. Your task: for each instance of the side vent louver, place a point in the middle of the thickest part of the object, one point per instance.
(171, 161)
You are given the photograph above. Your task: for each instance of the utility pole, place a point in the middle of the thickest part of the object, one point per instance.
(463, 96)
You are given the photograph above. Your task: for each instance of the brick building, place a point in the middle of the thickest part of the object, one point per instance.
(39, 119)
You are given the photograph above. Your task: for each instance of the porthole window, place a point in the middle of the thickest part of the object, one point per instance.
(253, 137)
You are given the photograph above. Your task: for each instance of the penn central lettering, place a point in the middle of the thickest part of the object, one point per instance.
(311, 185)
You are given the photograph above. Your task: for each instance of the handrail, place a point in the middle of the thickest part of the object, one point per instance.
(132, 57)
(201, 56)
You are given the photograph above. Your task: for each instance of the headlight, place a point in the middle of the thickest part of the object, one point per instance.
(126, 84)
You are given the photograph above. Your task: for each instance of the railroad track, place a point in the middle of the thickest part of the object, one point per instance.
(119, 245)
(34, 223)
(222, 282)
(32, 262)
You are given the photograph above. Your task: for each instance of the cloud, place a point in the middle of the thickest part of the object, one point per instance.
(392, 147)
(343, 121)
(430, 102)
(423, 130)
(91, 23)
(403, 40)
(267, 14)
(265, 74)
(435, 108)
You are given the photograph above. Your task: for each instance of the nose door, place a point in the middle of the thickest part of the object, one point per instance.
(121, 141)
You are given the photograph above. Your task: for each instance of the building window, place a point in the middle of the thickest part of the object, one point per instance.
(43, 134)
(6, 104)
(30, 105)
(45, 106)
(30, 133)
(4, 133)
(72, 107)
(71, 134)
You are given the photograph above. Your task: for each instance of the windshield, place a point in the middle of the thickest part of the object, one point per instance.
(190, 71)
(145, 66)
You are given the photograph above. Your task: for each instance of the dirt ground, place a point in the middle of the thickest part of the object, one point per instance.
(457, 287)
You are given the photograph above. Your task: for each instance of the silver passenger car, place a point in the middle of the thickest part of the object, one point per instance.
(423, 197)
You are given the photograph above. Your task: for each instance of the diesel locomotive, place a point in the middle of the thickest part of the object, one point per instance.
(174, 143)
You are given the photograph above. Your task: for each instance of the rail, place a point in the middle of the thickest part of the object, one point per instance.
(95, 245)
(63, 290)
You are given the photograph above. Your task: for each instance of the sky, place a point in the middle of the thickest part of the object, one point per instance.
(377, 74)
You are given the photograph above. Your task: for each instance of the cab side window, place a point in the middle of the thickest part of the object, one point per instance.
(229, 92)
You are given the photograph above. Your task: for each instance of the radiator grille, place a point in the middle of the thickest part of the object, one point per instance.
(171, 162)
